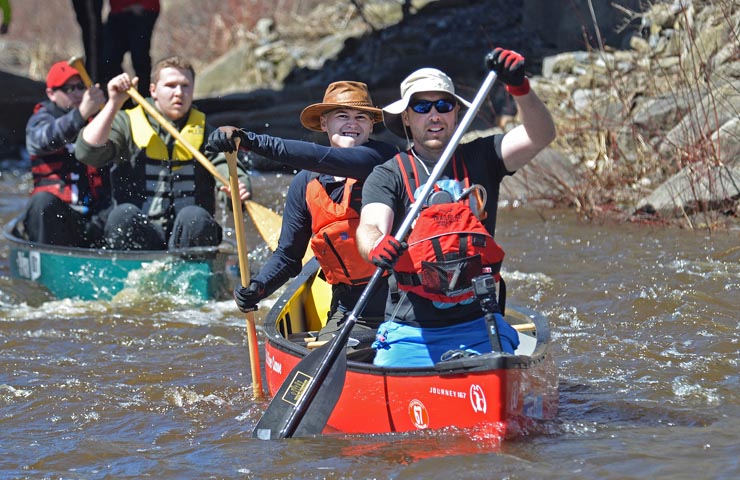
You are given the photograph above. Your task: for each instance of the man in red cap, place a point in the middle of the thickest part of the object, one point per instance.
(68, 197)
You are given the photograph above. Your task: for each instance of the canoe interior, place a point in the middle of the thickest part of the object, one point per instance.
(303, 309)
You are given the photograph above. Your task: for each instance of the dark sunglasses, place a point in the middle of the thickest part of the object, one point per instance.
(425, 106)
(72, 87)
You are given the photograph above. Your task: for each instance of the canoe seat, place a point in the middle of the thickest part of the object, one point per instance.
(524, 327)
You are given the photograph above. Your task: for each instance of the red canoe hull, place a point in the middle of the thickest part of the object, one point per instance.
(492, 395)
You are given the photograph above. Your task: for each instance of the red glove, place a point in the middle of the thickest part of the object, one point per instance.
(387, 251)
(509, 66)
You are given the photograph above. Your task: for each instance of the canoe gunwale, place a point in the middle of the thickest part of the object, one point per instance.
(191, 253)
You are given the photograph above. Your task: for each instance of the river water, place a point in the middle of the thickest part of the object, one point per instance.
(646, 337)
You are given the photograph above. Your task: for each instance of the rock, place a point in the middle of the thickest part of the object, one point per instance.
(713, 109)
(728, 139)
(549, 179)
(661, 112)
(694, 189)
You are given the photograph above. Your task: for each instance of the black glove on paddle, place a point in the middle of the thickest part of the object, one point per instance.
(222, 139)
(247, 297)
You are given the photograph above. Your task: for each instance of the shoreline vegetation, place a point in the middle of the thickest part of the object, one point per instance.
(648, 133)
(654, 130)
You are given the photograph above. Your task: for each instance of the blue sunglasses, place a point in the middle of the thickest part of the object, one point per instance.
(442, 105)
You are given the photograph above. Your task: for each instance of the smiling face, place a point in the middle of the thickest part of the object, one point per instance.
(346, 122)
(173, 92)
(431, 131)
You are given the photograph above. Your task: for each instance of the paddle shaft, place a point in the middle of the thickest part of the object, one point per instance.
(336, 346)
(78, 64)
(241, 244)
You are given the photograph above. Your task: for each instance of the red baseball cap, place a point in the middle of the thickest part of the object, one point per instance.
(59, 73)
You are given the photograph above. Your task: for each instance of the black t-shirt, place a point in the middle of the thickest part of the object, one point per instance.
(386, 185)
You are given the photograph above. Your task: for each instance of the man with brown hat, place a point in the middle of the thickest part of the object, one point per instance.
(68, 197)
(322, 207)
(435, 314)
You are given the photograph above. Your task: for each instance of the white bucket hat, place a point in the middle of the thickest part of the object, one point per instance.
(422, 80)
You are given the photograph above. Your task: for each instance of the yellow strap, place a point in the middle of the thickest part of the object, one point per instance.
(147, 139)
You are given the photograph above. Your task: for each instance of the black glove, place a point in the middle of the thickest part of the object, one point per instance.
(222, 139)
(387, 252)
(508, 65)
(246, 298)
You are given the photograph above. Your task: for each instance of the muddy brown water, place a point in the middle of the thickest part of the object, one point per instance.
(646, 336)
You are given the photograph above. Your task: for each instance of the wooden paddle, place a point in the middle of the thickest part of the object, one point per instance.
(304, 402)
(267, 222)
(241, 243)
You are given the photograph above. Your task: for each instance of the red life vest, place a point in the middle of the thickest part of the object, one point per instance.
(333, 242)
(62, 175)
(448, 246)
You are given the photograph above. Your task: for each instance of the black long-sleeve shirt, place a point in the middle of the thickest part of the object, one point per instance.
(295, 233)
(355, 162)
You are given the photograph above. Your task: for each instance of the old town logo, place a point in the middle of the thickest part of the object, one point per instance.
(418, 414)
(478, 399)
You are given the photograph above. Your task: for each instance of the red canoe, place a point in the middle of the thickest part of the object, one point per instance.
(490, 395)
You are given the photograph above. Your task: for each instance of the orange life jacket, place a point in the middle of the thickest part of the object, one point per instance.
(333, 242)
(447, 247)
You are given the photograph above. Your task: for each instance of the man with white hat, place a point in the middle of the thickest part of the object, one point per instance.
(432, 312)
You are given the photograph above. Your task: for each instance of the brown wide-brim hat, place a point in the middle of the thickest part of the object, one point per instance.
(354, 95)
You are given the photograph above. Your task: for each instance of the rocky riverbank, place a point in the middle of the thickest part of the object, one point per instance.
(648, 132)
(647, 114)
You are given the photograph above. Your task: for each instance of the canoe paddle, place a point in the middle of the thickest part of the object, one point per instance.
(241, 244)
(319, 377)
(267, 222)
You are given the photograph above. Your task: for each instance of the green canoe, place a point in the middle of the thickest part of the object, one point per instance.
(204, 273)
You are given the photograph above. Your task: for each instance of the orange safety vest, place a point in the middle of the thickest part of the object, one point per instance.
(333, 242)
(447, 248)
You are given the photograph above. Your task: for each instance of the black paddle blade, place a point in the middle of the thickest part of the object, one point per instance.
(317, 412)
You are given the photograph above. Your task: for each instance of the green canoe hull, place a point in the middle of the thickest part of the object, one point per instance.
(204, 273)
